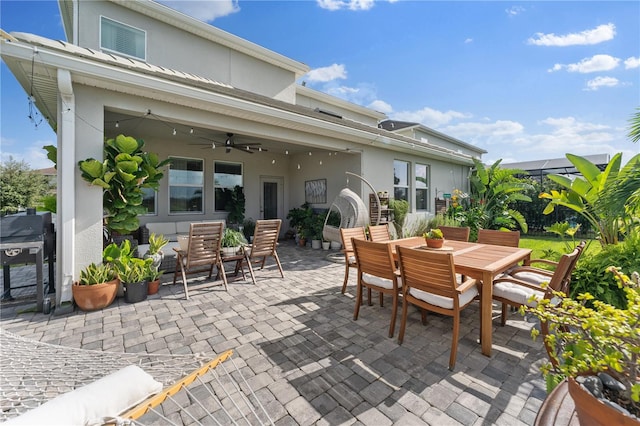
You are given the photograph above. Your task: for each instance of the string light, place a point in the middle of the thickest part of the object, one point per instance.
(191, 131)
(298, 166)
(117, 124)
(260, 149)
(321, 162)
(174, 132)
(309, 153)
(286, 152)
(273, 161)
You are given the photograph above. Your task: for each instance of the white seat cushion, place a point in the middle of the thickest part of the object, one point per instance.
(516, 293)
(379, 282)
(441, 301)
(532, 277)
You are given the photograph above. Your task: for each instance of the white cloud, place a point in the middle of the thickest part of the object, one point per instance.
(594, 64)
(491, 130)
(515, 10)
(597, 35)
(468, 40)
(381, 106)
(32, 154)
(600, 81)
(631, 62)
(428, 116)
(325, 74)
(345, 4)
(204, 10)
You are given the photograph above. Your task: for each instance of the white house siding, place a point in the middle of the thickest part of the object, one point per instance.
(171, 47)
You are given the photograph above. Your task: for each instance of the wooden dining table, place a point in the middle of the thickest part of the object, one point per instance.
(482, 262)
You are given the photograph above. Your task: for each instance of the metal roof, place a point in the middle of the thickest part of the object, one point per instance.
(556, 165)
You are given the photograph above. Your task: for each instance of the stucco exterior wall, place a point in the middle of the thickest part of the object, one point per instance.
(88, 212)
(166, 47)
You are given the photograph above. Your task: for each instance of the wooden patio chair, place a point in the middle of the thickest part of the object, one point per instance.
(265, 242)
(379, 233)
(517, 287)
(203, 252)
(346, 234)
(499, 238)
(456, 233)
(376, 271)
(429, 282)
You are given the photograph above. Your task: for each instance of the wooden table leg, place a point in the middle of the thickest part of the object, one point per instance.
(485, 319)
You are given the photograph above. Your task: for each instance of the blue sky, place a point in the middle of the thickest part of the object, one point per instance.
(522, 80)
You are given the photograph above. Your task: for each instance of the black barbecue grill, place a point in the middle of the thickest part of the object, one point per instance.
(27, 238)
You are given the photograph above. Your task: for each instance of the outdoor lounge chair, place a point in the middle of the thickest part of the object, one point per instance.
(429, 282)
(203, 252)
(499, 238)
(376, 271)
(457, 233)
(265, 241)
(379, 233)
(346, 234)
(517, 287)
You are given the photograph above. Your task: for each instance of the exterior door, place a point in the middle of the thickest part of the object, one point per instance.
(271, 197)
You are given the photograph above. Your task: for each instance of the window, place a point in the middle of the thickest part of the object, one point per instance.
(122, 38)
(401, 180)
(422, 187)
(226, 176)
(186, 185)
(149, 200)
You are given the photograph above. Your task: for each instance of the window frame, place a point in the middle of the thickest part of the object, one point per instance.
(408, 186)
(427, 189)
(155, 202)
(134, 29)
(215, 187)
(178, 213)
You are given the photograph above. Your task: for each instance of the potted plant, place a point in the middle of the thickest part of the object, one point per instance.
(248, 229)
(117, 255)
(434, 238)
(96, 288)
(124, 172)
(597, 349)
(231, 242)
(133, 275)
(153, 279)
(156, 243)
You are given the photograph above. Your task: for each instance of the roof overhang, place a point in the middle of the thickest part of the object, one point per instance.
(108, 72)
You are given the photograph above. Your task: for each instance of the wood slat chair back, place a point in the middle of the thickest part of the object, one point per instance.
(457, 233)
(521, 283)
(203, 251)
(379, 233)
(499, 238)
(265, 243)
(346, 234)
(376, 271)
(429, 282)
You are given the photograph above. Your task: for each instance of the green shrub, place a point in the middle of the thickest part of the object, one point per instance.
(590, 275)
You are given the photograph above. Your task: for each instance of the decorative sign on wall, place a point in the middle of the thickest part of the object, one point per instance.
(315, 191)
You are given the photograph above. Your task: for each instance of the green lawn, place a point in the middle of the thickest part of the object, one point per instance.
(542, 247)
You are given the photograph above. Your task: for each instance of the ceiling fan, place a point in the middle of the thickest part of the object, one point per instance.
(229, 143)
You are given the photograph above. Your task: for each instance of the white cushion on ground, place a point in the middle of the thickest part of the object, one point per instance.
(378, 281)
(516, 293)
(89, 404)
(441, 301)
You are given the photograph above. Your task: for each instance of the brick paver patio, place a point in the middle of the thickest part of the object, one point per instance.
(306, 358)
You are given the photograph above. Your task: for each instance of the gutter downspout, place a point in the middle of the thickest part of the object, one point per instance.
(66, 167)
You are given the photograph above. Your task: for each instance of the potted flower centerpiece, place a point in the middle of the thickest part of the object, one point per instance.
(434, 238)
(231, 242)
(156, 243)
(97, 287)
(596, 348)
(153, 279)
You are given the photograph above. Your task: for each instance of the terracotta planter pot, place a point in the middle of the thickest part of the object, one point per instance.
(592, 412)
(434, 243)
(94, 297)
(154, 286)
